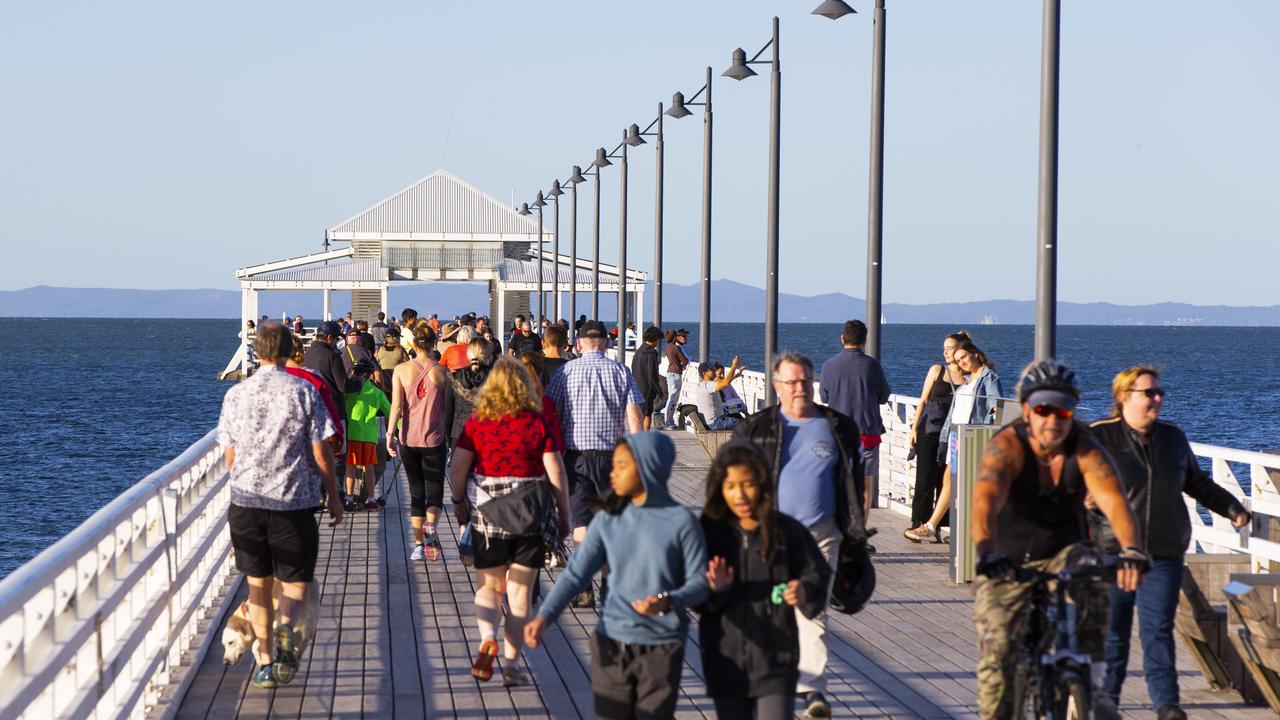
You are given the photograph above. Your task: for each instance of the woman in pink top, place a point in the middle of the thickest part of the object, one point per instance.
(417, 395)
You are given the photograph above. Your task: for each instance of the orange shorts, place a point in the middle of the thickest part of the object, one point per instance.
(362, 453)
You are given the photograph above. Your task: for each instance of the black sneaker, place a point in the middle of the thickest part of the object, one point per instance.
(586, 600)
(816, 706)
(1169, 711)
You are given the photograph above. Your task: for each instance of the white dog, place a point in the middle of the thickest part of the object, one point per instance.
(238, 636)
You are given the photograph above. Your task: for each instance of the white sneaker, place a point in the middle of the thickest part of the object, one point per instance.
(418, 552)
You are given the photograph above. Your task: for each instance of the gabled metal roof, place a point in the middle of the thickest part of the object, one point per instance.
(438, 204)
(526, 271)
(364, 270)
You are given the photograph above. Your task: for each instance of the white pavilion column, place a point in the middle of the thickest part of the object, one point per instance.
(638, 298)
(328, 305)
(500, 323)
(382, 301)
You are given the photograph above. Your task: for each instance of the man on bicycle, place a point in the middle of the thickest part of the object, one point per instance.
(1028, 512)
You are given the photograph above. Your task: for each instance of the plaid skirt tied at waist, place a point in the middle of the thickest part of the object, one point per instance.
(483, 488)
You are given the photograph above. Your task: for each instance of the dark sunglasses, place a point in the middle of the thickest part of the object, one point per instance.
(1047, 410)
(1152, 392)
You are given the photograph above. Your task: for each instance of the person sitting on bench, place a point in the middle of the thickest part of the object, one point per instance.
(706, 395)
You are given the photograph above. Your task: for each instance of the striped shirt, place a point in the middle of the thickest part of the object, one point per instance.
(591, 395)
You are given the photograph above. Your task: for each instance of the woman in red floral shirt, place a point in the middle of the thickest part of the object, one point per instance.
(508, 455)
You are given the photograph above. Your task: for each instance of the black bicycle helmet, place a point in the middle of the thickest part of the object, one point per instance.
(855, 580)
(1047, 375)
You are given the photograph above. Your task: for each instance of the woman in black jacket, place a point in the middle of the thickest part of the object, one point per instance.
(764, 567)
(1155, 465)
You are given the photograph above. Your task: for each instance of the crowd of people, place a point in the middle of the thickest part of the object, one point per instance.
(553, 459)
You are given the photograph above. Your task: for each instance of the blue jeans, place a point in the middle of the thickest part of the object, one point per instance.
(724, 422)
(1156, 601)
(674, 381)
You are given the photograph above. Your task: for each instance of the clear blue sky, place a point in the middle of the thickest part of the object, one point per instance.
(160, 144)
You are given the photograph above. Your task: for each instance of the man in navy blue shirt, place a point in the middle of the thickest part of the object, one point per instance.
(853, 384)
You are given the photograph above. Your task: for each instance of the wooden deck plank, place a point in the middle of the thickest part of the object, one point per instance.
(396, 637)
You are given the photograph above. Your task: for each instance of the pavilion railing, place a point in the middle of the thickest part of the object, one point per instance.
(98, 623)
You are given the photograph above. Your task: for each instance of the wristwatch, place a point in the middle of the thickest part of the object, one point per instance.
(664, 596)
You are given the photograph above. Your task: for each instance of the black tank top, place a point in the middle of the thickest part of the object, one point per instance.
(938, 404)
(1039, 519)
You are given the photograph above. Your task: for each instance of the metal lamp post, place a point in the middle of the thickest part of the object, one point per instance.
(678, 110)
(1047, 219)
(555, 194)
(574, 179)
(542, 300)
(630, 138)
(740, 70)
(601, 161)
(657, 215)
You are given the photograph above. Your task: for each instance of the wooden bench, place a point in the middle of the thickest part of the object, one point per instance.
(1257, 636)
(1201, 621)
(709, 439)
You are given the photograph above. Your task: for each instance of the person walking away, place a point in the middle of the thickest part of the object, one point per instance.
(417, 395)
(553, 347)
(1156, 467)
(390, 355)
(764, 569)
(707, 395)
(274, 428)
(644, 368)
(366, 337)
(973, 403)
(501, 456)
(596, 399)
(853, 383)
(940, 384)
(379, 332)
(657, 560)
(1028, 514)
(362, 411)
(323, 359)
(447, 338)
(676, 362)
(815, 465)
(466, 384)
(294, 367)
(354, 352)
(456, 357)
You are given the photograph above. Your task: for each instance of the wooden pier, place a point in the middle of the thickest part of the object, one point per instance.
(396, 638)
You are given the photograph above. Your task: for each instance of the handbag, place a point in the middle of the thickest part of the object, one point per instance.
(522, 512)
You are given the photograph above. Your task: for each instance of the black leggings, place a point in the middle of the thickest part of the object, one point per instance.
(425, 469)
(928, 478)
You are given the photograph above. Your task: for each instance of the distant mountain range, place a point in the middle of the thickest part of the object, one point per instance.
(731, 302)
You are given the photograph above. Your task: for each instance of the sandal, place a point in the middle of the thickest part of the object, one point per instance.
(482, 668)
(920, 534)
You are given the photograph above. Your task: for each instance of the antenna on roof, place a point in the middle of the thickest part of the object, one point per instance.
(445, 152)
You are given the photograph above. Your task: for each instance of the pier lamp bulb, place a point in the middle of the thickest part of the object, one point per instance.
(539, 202)
(524, 209)
(576, 177)
(834, 9)
(677, 109)
(739, 70)
(602, 159)
(633, 136)
(555, 189)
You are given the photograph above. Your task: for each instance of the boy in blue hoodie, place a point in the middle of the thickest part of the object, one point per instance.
(657, 559)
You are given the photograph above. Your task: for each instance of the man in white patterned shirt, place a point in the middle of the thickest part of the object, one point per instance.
(594, 397)
(274, 428)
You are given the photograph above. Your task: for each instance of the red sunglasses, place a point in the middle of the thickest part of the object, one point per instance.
(1047, 410)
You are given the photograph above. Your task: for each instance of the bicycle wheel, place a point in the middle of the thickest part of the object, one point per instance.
(1073, 701)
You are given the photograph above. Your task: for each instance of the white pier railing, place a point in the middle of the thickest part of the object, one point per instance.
(98, 623)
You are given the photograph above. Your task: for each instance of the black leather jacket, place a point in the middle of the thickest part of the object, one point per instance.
(764, 430)
(1154, 477)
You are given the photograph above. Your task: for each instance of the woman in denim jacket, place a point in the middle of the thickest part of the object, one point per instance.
(974, 403)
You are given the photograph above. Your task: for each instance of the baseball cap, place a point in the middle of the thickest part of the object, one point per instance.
(682, 331)
(593, 329)
(330, 328)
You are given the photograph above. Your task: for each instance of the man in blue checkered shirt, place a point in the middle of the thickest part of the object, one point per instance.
(598, 402)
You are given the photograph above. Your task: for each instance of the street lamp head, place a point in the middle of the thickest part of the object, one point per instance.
(678, 109)
(524, 209)
(633, 136)
(576, 177)
(555, 189)
(739, 70)
(602, 158)
(539, 202)
(834, 9)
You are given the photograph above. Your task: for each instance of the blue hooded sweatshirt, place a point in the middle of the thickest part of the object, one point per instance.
(651, 548)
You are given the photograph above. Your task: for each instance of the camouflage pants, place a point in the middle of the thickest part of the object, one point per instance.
(1001, 612)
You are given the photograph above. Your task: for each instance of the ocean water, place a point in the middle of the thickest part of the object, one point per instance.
(92, 406)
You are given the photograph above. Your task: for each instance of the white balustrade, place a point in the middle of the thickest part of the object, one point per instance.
(96, 625)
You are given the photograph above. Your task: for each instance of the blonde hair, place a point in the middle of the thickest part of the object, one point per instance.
(1123, 382)
(506, 392)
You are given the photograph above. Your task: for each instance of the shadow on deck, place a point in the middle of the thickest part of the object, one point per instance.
(396, 637)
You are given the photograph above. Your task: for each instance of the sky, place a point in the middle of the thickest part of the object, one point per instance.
(163, 145)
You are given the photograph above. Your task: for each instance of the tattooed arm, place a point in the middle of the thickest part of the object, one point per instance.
(1105, 489)
(1001, 462)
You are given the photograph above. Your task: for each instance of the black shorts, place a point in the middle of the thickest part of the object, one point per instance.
(425, 469)
(492, 552)
(283, 543)
(588, 478)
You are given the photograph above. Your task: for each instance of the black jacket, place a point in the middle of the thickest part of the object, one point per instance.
(764, 430)
(644, 366)
(327, 363)
(1154, 477)
(750, 646)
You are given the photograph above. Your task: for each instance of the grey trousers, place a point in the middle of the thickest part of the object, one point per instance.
(635, 681)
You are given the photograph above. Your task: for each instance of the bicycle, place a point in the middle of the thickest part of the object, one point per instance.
(1053, 677)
